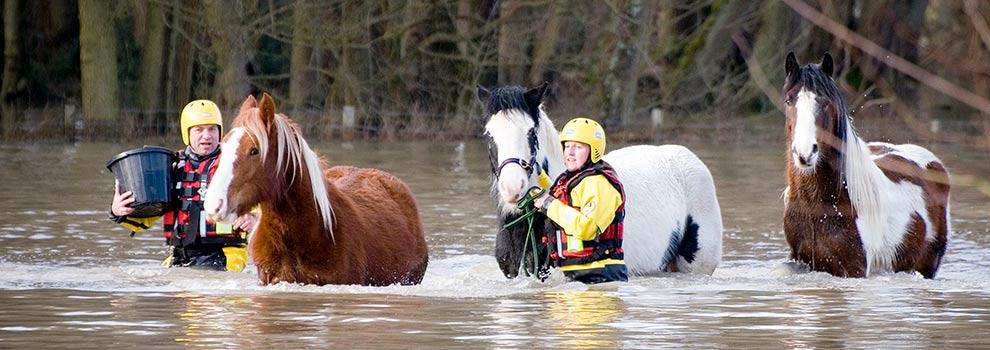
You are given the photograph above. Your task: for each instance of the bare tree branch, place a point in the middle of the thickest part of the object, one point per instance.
(979, 22)
(845, 34)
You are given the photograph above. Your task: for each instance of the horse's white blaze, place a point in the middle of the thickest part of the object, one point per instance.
(508, 129)
(884, 207)
(216, 203)
(805, 129)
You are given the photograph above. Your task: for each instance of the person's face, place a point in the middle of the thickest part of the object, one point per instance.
(575, 154)
(204, 139)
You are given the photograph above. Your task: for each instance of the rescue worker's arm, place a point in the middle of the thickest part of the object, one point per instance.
(598, 201)
(119, 209)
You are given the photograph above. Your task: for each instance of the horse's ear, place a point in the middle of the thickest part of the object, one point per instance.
(267, 109)
(826, 65)
(483, 94)
(248, 103)
(790, 64)
(535, 95)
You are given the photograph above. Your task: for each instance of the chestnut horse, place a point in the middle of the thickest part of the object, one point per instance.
(854, 208)
(347, 226)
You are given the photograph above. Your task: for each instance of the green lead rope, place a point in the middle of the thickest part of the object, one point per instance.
(529, 212)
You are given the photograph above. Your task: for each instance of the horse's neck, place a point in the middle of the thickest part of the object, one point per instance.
(294, 212)
(824, 185)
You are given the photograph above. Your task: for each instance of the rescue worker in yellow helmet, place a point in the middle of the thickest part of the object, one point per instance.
(587, 205)
(195, 240)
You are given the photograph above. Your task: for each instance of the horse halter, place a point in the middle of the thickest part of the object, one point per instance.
(530, 167)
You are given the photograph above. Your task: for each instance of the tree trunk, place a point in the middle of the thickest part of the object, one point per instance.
(152, 60)
(546, 44)
(299, 72)
(181, 63)
(11, 65)
(599, 42)
(462, 26)
(98, 63)
(230, 48)
(623, 65)
(511, 45)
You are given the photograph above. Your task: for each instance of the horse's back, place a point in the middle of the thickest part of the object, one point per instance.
(374, 186)
(920, 156)
(912, 163)
(389, 212)
(667, 188)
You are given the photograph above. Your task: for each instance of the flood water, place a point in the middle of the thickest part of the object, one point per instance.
(71, 278)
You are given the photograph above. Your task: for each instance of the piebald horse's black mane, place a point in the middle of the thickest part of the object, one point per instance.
(511, 97)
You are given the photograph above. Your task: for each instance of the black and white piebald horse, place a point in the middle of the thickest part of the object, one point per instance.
(853, 208)
(673, 222)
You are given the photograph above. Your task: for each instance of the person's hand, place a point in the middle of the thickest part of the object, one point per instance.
(543, 201)
(121, 202)
(246, 222)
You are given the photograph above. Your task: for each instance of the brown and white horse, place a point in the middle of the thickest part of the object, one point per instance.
(854, 208)
(347, 226)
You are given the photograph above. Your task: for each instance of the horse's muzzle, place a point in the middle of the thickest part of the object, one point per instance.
(806, 160)
(216, 208)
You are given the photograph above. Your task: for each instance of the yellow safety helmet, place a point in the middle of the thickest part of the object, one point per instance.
(199, 112)
(586, 131)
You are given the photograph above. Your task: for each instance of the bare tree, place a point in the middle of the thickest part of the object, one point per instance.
(98, 62)
(11, 64)
(152, 58)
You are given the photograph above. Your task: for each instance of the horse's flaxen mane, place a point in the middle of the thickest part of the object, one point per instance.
(294, 154)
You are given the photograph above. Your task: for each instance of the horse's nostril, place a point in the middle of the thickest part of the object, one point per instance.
(218, 206)
(814, 148)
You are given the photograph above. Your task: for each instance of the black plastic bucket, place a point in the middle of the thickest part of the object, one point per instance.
(146, 171)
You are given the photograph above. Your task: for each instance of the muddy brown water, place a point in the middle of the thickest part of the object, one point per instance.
(71, 278)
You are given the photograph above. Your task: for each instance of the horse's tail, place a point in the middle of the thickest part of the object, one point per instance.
(683, 246)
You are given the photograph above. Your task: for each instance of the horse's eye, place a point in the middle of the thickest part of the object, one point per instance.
(253, 151)
(788, 101)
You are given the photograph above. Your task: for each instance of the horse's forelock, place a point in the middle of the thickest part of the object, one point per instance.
(508, 98)
(251, 122)
(812, 78)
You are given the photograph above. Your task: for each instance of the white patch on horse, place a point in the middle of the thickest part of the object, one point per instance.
(216, 194)
(920, 156)
(805, 129)
(884, 207)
